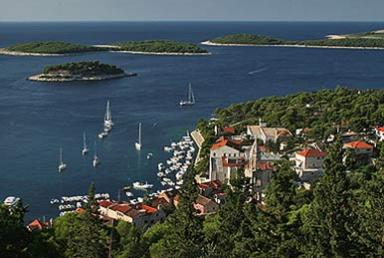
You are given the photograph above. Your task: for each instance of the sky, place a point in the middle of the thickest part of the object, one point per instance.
(191, 10)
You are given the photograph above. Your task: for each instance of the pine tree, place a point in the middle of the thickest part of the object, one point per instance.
(330, 218)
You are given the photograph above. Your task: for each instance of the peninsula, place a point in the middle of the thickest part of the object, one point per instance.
(365, 40)
(47, 48)
(158, 47)
(81, 71)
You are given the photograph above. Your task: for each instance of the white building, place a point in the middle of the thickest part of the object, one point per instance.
(267, 134)
(309, 164)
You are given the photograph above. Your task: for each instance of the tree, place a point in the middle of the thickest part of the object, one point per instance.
(14, 236)
(330, 220)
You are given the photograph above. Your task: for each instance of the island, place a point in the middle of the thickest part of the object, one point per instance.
(48, 48)
(364, 40)
(80, 71)
(158, 47)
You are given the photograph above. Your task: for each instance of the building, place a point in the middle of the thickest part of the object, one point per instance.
(359, 147)
(309, 164)
(210, 187)
(261, 178)
(37, 225)
(224, 157)
(379, 131)
(141, 215)
(268, 134)
(204, 205)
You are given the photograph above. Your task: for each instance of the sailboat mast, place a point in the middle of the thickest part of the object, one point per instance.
(140, 133)
(95, 150)
(108, 115)
(84, 141)
(61, 155)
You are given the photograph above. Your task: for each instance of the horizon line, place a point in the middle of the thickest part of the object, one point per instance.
(197, 21)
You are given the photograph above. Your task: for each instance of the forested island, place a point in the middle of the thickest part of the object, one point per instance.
(367, 40)
(160, 47)
(48, 48)
(80, 71)
(340, 216)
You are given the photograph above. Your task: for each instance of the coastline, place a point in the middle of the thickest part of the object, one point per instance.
(209, 43)
(4, 51)
(118, 50)
(161, 53)
(40, 78)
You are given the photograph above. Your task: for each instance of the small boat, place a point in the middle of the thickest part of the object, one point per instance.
(138, 143)
(191, 98)
(108, 116)
(167, 149)
(54, 201)
(160, 166)
(127, 188)
(102, 135)
(62, 165)
(160, 174)
(149, 156)
(85, 149)
(129, 194)
(96, 160)
(142, 186)
(11, 201)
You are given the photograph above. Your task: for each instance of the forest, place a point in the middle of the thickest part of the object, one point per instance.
(160, 46)
(52, 47)
(86, 68)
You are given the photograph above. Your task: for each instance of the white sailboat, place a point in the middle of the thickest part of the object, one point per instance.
(138, 143)
(96, 160)
(108, 116)
(191, 97)
(62, 165)
(85, 149)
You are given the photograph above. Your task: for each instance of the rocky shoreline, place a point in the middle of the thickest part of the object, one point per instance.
(49, 78)
(4, 51)
(161, 53)
(209, 43)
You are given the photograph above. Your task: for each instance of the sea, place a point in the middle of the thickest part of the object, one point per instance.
(36, 118)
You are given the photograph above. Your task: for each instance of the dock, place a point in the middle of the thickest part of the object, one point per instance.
(199, 140)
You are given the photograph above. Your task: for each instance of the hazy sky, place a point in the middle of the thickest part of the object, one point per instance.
(196, 10)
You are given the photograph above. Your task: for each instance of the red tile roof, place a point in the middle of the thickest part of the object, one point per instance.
(123, 208)
(215, 184)
(221, 142)
(105, 203)
(148, 209)
(230, 130)
(37, 225)
(380, 129)
(358, 145)
(309, 152)
(264, 165)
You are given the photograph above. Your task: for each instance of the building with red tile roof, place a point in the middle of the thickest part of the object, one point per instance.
(309, 163)
(38, 225)
(205, 205)
(359, 147)
(310, 152)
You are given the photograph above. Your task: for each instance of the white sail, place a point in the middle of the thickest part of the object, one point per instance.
(62, 165)
(85, 147)
(96, 160)
(108, 116)
(138, 143)
(191, 97)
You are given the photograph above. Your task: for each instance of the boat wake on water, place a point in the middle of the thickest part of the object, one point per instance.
(257, 71)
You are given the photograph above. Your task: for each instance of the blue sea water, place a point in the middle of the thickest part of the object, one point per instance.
(37, 118)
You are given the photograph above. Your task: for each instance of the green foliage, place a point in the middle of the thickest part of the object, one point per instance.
(322, 111)
(350, 41)
(52, 47)
(14, 237)
(160, 46)
(248, 39)
(89, 68)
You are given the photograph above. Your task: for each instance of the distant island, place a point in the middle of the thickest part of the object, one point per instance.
(365, 40)
(47, 48)
(158, 47)
(81, 71)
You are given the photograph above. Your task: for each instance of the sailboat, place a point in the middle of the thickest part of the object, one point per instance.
(138, 143)
(96, 160)
(108, 117)
(62, 165)
(85, 149)
(191, 97)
